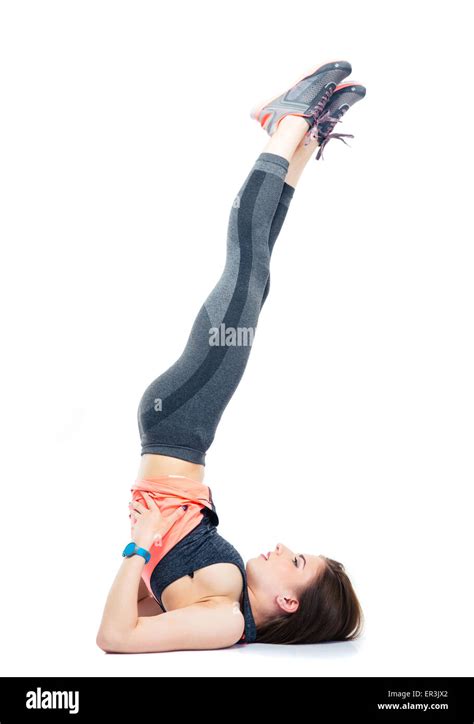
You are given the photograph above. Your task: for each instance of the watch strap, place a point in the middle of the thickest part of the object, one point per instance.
(132, 549)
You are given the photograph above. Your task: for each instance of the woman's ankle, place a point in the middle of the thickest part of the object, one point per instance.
(289, 133)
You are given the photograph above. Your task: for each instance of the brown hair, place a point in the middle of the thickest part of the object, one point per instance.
(328, 610)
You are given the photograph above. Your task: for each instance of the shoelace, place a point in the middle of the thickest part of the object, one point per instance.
(315, 130)
(319, 107)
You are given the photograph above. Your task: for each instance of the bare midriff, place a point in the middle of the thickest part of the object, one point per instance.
(152, 466)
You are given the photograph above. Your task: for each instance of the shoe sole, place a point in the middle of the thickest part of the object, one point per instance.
(346, 85)
(257, 108)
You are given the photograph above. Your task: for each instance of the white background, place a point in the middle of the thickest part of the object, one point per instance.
(125, 135)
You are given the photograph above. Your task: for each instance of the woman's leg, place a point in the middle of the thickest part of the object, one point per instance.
(179, 411)
(298, 161)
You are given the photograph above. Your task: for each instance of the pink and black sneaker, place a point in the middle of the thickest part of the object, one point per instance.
(306, 98)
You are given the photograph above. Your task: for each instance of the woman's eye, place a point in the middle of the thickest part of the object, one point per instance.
(295, 561)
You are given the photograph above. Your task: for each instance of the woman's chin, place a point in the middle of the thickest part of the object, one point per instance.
(252, 562)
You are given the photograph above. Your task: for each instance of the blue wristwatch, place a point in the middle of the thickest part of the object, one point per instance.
(131, 549)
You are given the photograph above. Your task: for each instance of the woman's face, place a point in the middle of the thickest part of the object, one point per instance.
(277, 577)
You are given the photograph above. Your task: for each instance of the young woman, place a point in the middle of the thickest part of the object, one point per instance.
(181, 585)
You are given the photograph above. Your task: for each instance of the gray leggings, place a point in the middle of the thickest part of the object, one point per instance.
(179, 411)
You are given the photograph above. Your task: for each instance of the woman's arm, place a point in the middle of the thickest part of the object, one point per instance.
(212, 624)
(120, 615)
(121, 608)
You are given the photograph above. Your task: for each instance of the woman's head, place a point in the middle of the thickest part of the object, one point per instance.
(298, 598)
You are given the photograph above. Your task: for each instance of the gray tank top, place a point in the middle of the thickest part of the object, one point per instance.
(202, 547)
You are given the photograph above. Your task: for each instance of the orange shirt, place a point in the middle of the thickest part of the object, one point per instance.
(169, 492)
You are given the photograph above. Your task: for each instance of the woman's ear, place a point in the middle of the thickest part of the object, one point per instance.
(288, 604)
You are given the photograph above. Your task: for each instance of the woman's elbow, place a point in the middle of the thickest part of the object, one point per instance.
(102, 642)
(108, 642)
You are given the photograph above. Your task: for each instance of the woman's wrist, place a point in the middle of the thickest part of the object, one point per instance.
(141, 541)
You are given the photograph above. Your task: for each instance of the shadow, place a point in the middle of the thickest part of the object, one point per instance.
(325, 651)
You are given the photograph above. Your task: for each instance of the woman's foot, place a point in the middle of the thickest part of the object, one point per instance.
(306, 98)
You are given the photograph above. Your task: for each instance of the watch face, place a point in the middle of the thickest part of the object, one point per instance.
(129, 549)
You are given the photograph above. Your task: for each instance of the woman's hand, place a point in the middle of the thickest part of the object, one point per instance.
(150, 526)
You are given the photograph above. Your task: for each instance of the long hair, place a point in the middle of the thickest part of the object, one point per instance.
(328, 610)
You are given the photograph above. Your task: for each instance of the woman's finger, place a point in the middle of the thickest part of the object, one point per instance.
(178, 513)
(171, 519)
(150, 499)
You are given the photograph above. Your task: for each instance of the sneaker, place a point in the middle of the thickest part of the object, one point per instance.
(340, 101)
(306, 98)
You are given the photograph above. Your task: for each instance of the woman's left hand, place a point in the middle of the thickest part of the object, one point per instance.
(150, 525)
